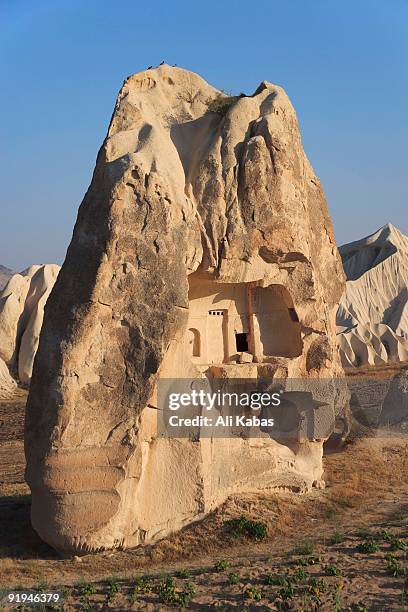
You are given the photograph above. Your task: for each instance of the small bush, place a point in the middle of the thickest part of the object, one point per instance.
(253, 593)
(397, 544)
(332, 570)
(286, 592)
(242, 526)
(233, 578)
(87, 588)
(142, 585)
(369, 546)
(394, 567)
(317, 586)
(300, 574)
(221, 565)
(386, 535)
(113, 589)
(170, 595)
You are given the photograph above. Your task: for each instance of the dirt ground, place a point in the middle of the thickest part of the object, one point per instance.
(342, 548)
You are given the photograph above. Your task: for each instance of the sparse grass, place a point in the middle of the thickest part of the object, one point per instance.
(305, 548)
(331, 512)
(184, 573)
(337, 537)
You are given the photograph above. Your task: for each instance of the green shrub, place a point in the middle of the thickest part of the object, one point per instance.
(142, 585)
(253, 593)
(244, 527)
(221, 565)
(86, 588)
(397, 544)
(233, 578)
(113, 589)
(394, 567)
(317, 586)
(332, 570)
(300, 574)
(369, 546)
(286, 592)
(170, 595)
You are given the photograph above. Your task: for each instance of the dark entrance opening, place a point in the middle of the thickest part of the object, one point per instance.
(241, 341)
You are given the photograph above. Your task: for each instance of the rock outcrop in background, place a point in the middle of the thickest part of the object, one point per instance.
(22, 304)
(194, 195)
(373, 315)
(5, 274)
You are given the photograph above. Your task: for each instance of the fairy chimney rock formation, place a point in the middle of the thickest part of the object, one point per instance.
(203, 248)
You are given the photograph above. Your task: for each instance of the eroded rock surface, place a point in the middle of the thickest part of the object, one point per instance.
(21, 314)
(373, 314)
(203, 248)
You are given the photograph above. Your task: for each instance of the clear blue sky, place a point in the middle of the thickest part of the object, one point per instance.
(62, 62)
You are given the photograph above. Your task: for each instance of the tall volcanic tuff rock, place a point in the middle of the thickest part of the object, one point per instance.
(373, 313)
(203, 248)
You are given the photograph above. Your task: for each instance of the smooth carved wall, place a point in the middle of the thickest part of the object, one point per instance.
(219, 321)
(279, 327)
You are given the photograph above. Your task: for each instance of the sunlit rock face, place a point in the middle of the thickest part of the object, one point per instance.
(22, 302)
(373, 314)
(203, 248)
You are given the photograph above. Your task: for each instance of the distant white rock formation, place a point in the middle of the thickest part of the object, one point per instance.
(7, 384)
(373, 315)
(22, 304)
(5, 274)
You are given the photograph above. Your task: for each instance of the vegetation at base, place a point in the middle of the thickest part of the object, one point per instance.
(244, 527)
